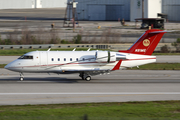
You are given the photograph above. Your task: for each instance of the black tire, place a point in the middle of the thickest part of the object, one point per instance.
(88, 78)
(21, 78)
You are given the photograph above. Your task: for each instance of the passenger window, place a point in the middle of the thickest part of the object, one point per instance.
(52, 59)
(64, 59)
(58, 59)
(83, 59)
(76, 59)
(70, 59)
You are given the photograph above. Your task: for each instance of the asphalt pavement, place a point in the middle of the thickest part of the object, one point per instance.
(119, 86)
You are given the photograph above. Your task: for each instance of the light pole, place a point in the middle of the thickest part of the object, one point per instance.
(74, 16)
(142, 8)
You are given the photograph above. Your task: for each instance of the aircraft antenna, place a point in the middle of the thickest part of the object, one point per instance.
(74, 49)
(89, 49)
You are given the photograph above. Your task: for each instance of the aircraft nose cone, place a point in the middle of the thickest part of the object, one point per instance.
(6, 67)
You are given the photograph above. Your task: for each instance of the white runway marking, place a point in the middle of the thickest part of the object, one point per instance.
(123, 93)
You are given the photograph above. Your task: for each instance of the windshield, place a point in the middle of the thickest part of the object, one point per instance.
(26, 57)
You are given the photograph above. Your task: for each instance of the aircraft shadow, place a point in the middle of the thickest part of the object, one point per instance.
(46, 79)
(79, 80)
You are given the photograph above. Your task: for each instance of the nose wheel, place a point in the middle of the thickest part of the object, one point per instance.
(21, 76)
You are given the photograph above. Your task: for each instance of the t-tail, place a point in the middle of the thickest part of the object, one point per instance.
(147, 43)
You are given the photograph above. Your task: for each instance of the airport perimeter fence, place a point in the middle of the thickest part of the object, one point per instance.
(115, 47)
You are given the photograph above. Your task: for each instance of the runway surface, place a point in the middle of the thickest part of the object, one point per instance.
(119, 86)
(160, 59)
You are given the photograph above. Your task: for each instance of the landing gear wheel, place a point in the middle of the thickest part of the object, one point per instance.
(88, 78)
(21, 76)
(21, 79)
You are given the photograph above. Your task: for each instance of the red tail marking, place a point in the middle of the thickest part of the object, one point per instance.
(147, 43)
(117, 65)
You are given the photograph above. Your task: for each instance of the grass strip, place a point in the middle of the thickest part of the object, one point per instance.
(153, 66)
(2, 65)
(162, 110)
(166, 54)
(158, 66)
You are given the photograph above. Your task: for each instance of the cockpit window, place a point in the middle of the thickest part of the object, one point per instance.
(26, 57)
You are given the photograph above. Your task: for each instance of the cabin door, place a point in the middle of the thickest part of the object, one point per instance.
(43, 58)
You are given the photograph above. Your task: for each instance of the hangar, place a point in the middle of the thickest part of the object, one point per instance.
(117, 9)
(127, 9)
(151, 9)
(171, 8)
(105, 9)
(29, 4)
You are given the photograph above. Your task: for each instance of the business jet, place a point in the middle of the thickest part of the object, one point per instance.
(89, 63)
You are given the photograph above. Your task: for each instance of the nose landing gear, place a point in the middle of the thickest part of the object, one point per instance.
(21, 76)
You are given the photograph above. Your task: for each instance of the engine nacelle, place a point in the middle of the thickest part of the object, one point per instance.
(105, 56)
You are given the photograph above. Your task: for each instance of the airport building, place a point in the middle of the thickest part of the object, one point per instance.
(151, 9)
(171, 8)
(126, 9)
(29, 4)
(105, 9)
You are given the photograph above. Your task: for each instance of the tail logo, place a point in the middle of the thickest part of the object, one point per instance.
(146, 42)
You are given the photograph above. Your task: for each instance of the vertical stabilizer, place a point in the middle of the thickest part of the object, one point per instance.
(147, 43)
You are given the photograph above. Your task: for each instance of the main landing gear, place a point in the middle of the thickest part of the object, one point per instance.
(21, 76)
(85, 76)
(88, 78)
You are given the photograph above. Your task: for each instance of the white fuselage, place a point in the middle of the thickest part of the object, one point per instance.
(76, 61)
